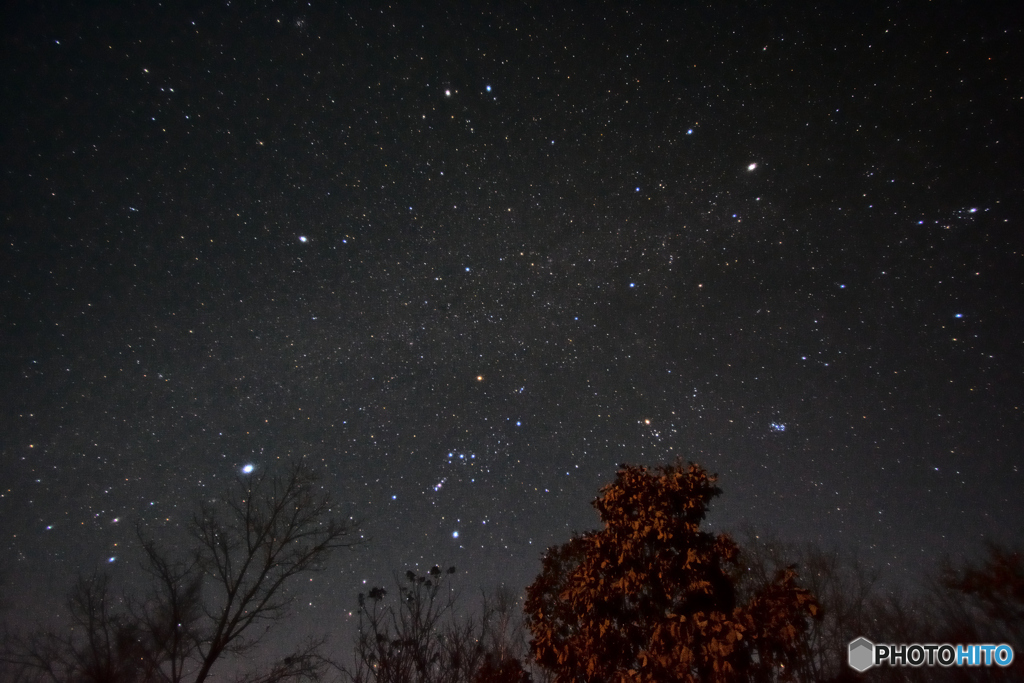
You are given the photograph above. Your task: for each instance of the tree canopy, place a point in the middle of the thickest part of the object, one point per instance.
(652, 597)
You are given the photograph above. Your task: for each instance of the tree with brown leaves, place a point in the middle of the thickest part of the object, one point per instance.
(651, 597)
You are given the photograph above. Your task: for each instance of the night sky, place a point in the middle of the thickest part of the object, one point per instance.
(468, 259)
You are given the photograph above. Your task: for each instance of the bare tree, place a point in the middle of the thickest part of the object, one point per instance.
(981, 602)
(169, 617)
(218, 600)
(99, 647)
(506, 634)
(847, 591)
(251, 544)
(989, 598)
(506, 643)
(948, 607)
(422, 639)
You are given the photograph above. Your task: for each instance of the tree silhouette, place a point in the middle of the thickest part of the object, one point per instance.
(852, 605)
(497, 670)
(419, 638)
(983, 603)
(220, 598)
(996, 590)
(100, 646)
(651, 597)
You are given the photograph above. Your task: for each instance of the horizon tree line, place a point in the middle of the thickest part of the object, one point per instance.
(649, 596)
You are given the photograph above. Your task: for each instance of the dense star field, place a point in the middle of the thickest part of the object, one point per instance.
(468, 259)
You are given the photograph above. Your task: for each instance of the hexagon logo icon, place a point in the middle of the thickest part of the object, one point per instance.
(862, 654)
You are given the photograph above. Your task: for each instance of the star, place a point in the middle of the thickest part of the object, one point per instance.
(356, 354)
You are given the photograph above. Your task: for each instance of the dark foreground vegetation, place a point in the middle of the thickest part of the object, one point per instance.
(647, 597)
